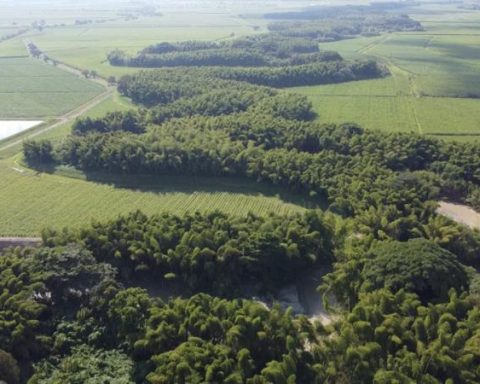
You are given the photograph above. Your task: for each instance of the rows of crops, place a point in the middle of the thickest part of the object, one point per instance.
(401, 113)
(32, 201)
(434, 87)
(30, 88)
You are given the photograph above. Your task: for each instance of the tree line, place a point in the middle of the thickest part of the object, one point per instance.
(67, 311)
(265, 50)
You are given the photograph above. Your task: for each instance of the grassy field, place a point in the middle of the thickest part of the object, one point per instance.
(434, 87)
(114, 103)
(372, 105)
(32, 201)
(87, 46)
(32, 89)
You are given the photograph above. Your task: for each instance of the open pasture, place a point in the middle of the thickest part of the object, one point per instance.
(448, 117)
(87, 46)
(32, 89)
(434, 87)
(33, 201)
(113, 103)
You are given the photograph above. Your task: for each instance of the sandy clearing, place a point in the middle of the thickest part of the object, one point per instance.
(460, 213)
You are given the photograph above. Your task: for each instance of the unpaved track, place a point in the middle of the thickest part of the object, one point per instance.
(460, 213)
(71, 115)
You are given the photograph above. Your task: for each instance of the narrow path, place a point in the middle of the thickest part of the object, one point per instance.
(71, 115)
(374, 44)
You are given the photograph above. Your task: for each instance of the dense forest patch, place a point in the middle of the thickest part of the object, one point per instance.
(67, 310)
(86, 304)
(269, 59)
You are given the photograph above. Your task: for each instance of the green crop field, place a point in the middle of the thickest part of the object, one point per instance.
(434, 87)
(87, 46)
(12, 48)
(114, 103)
(32, 89)
(32, 201)
(371, 104)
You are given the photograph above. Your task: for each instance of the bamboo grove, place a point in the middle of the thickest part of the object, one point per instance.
(174, 299)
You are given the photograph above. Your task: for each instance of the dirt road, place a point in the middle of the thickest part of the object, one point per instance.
(71, 115)
(460, 213)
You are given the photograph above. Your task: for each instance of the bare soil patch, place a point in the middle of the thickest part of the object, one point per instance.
(460, 213)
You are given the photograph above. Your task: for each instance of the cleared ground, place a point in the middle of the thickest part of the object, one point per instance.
(460, 213)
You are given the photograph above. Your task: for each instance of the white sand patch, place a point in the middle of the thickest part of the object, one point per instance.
(12, 127)
(460, 213)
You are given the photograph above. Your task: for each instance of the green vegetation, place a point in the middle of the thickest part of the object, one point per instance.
(434, 85)
(270, 60)
(371, 104)
(416, 266)
(177, 229)
(84, 365)
(33, 201)
(390, 338)
(251, 51)
(87, 46)
(32, 89)
(194, 250)
(281, 150)
(204, 338)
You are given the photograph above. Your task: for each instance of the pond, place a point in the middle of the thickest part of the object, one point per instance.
(12, 127)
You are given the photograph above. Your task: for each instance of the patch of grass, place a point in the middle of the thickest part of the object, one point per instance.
(434, 87)
(114, 103)
(86, 47)
(32, 89)
(13, 48)
(32, 201)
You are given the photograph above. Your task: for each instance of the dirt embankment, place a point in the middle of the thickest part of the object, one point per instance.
(6, 242)
(460, 213)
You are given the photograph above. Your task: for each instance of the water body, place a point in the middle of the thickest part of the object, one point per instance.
(12, 127)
